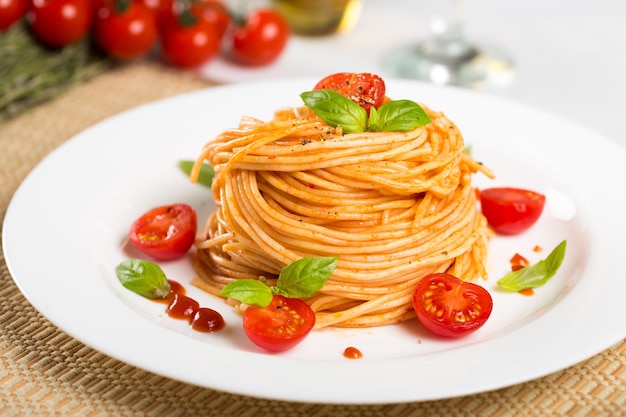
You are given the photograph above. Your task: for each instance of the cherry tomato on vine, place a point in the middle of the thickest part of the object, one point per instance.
(161, 9)
(58, 23)
(10, 12)
(365, 89)
(214, 12)
(125, 31)
(190, 45)
(449, 307)
(165, 232)
(511, 210)
(279, 326)
(261, 39)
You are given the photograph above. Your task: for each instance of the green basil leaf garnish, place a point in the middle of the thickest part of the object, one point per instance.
(397, 116)
(205, 177)
(303, 277)
(336, 110)
(143, 277)
(249, 291)
(299, 279)
(536, 275)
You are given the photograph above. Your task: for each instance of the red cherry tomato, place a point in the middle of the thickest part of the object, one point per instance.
(190, 46)
(279, 326)
(161, 9)
(214, 12)
(262, 39)
(10, 12)
(365, 89)
(125, 34)
(511, 210)
(165, 232)
(58, 23)
(449, 307)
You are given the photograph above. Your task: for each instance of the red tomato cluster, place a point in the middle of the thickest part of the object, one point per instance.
(189, 32)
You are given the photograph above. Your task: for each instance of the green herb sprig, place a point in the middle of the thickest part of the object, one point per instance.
(144, 278)
(299, 279)
(338, 110)
(536, 275)
(31, 73)
(205, 177)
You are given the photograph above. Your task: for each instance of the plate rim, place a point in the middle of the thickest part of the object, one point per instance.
(307, 397)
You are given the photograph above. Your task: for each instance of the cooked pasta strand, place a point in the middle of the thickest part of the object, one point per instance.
(393, 207)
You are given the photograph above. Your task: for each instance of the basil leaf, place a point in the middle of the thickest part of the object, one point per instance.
(303, 277)
(533, 276)
(205, 177)
(143, 277)
(249, 291)
(336, 110)
(397, 116)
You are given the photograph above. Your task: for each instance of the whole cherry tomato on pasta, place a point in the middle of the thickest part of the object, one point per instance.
(59, 23)
(279, 326)
(261, 38)
(11, 11)
(165, 232)
(365, 89)
(125, 30)
(511, 210)
(449, 307)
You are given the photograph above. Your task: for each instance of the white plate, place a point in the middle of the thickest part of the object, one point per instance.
(65, 229)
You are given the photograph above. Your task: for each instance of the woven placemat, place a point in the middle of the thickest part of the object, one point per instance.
(45, 372)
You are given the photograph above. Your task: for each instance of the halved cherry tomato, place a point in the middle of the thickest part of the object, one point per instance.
(279, 326)
(165, 232)
(60, 22)
(261, 39)
(511, 210)
(364, 89)
(449, 307)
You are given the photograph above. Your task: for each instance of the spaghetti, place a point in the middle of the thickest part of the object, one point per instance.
(392, 206)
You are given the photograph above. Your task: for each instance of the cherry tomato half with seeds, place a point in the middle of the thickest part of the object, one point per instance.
(189, 46)
(449, 307)
(364, 89)
(511, 210)
(165, 232)
(261, 39)
(279, 326)
(59, 23)
(126, 33)
(11, 11)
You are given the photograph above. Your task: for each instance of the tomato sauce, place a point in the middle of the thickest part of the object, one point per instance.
(182, 307)
(527, 292)
(352, 353)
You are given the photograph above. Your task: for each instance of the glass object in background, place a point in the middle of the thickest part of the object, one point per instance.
(447, 57)
(320, 17)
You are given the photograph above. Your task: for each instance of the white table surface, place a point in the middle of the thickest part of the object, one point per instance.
(570, 55)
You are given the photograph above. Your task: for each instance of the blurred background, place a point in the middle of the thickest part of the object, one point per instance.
(569, 56)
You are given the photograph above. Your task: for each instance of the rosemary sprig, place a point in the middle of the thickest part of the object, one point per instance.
(31, 73)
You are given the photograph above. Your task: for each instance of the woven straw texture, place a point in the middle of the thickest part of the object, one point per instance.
(44, 372)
